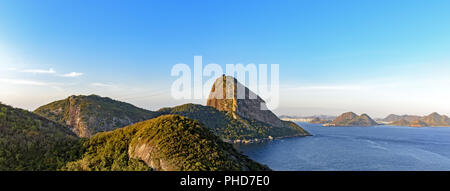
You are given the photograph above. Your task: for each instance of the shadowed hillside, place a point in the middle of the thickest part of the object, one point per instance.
(30, 142)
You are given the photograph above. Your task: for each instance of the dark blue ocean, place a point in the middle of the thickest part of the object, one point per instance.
(357, 148)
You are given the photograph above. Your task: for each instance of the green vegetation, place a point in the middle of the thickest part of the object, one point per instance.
(169, 142)
(87, 115)
(185, 137)
(232, 127)
(108, 151)
(33, 143)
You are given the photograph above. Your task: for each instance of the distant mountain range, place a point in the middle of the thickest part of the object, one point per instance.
(351, 119)
(432, 120)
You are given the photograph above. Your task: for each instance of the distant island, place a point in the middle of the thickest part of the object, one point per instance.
(351, 119)
(432, 120)
(345, 119)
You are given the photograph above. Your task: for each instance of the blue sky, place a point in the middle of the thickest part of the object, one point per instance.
(368, 56)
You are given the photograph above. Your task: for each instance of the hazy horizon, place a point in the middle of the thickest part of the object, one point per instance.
(294, 112)
(374, 57)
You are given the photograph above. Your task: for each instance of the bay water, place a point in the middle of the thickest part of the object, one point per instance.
(378, 148)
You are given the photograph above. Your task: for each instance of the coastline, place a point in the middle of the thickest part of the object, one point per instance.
(270, 138)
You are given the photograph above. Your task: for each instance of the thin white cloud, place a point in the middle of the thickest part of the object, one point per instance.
(49, 71)
(40, 71)
(23, 82)
(101, 85)
(72, 74)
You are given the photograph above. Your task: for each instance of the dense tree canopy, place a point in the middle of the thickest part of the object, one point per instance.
(31, 142)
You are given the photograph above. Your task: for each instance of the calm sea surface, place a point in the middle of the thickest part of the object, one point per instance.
(357, 148)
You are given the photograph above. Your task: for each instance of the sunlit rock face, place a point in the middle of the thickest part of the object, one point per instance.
(227, 94)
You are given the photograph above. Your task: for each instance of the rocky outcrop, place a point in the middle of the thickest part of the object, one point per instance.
(87, 115)
(351, 119)
(226, 95)
(250, 113)
(75, 118)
